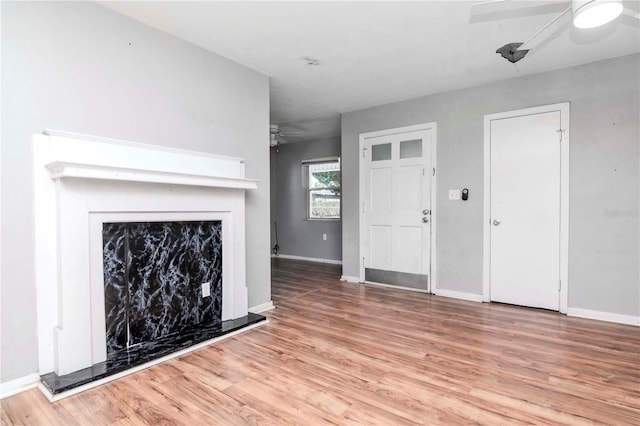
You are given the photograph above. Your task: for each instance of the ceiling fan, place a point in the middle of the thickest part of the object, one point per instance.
(278, 137)
(586, 14)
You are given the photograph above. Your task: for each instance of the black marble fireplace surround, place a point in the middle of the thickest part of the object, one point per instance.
(153, 276)
(154, 304)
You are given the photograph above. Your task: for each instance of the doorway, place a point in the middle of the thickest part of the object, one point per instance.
(397, 207)
(526, 207)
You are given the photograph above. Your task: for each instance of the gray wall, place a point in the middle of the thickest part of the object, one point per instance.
(298, 236)
(604, 176)
(83, 68)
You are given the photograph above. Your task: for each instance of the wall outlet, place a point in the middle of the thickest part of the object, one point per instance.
(206, 289)
(324, 237)
(454, 194)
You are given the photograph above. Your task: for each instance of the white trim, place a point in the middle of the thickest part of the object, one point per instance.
(350, 279)
(434, 192)
(459, 295)
(564, 109)
(396, 287)
(69, 155)
(263, 307)
(399, 130)
(604, 316)
(321, 160)
(308, 259)
(21, 384)
(60, 169)
(62, 395)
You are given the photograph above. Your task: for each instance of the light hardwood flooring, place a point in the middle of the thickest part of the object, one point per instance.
(343, 353)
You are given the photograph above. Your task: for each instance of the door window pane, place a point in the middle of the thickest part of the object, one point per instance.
(381, 152)
(411, 149)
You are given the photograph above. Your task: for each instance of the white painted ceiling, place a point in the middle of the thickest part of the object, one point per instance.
(373, 53)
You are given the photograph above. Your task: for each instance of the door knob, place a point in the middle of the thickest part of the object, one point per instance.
(426, 212)
(425, 219)
(496, 222)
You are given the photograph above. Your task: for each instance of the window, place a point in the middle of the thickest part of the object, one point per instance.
(323, 189)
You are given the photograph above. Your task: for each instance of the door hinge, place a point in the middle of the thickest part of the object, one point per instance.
(363, 207)
(364, 152)
(434, 171)
(559, 285)
(560, 132)
(423, 171)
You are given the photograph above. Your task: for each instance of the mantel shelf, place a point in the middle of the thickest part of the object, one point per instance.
(61, 170)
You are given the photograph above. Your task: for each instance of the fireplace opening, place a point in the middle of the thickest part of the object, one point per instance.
(160, 278)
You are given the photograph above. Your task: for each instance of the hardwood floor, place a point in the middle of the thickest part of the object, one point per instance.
(345, 353)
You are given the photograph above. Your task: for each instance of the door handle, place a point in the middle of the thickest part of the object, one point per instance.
(426, 212)
(496, 222)
(425, 219)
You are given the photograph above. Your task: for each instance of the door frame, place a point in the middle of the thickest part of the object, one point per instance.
(564, 109)
(361, 197)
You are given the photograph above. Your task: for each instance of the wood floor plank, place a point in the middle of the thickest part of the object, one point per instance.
(349, 354)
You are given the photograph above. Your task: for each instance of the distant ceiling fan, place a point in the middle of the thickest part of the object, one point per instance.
(277, 137)
(586, 14)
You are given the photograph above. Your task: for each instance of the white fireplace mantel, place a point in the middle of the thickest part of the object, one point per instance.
(80, 156)
(83, 181)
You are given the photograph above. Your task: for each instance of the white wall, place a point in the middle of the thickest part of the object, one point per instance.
(297, 235)
(604, 176)
(80, 67)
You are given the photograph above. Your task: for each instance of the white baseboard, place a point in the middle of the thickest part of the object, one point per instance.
(458, 295)
(62, 395)
(308, 259)
(396, 287)
(263, 307)
(21, 384)
(350, 279)
(603, 316)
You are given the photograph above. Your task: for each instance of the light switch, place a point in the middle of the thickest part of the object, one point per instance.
(324, 237)
(454, 194)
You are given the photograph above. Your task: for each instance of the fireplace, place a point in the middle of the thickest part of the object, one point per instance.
(85, 186)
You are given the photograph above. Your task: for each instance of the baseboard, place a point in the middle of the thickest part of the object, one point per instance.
(308, 259)
(21, 384)
(350, 279)
(263, 307)
(603, 316)
(458, 295)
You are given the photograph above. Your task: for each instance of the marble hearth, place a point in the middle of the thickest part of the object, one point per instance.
(84, 184)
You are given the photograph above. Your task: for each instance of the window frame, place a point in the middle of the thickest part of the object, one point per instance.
(308, 190)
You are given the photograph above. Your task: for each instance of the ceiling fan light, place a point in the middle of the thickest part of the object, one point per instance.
(593, 13)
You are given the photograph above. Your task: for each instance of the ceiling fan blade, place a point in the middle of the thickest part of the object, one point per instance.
(486, 6)
(495, 10)
(528, 45)
(631, 13)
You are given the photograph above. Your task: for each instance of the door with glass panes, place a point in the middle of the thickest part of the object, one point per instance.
(397, 209)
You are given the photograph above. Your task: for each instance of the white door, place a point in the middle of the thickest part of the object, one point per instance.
(525, 210)
(397, 209)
